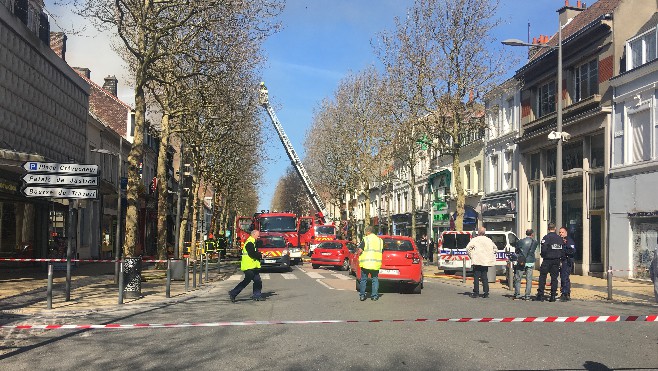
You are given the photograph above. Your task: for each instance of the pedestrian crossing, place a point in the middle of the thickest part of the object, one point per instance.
(295, 275)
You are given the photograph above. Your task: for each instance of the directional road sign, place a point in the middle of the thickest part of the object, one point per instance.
(60, 180)
(59, 192)
(57, 168)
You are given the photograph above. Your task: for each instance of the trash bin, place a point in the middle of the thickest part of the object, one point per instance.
(491, 274)
(177, 267)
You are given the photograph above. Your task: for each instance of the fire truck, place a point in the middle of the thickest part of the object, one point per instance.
(310, 228)
(284, 224)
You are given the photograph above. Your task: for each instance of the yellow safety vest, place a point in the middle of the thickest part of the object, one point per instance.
(371, 257)
(247, 262)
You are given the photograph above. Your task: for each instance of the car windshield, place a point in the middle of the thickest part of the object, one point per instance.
(455, 241)
(391, 244)
(273, 241)
(499, 240)
(278, 224)
(330, 245)
(325, 230)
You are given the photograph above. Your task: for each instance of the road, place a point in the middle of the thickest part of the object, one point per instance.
(307, 294)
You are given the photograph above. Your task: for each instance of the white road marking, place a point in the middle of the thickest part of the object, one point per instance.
(289, 276)
(341, 276)
(324, 284)
(314, 275)
(265, 276)
(239, 277)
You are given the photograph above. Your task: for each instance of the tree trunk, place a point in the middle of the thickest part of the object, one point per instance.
(459, 222)
(162, 188)
(195, 214)
(412, 174)
(183, 227)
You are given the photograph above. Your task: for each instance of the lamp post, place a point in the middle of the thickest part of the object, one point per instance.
(559, 136)
(118, 230)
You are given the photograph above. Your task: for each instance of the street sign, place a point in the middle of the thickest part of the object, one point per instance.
(58, 192)
(60, 180)
(57, 168)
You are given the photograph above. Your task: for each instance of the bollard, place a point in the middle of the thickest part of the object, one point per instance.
(49, 294)
(510, 274)
(187, 274)
(463, 270)
(168, 288)
(121, 284)
(219, 262)
(194, 274)
(206, 281)
(201, 271)
(610, 283)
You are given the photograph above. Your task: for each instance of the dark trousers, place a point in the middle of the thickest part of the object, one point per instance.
(480, 273)
(249, 275)
(552, 266)
(565, 272)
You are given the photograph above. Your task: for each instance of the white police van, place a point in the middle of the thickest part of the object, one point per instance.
(452, 250)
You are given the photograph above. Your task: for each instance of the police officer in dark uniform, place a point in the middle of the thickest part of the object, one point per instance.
(567, 264)
(551, 252)
(422, 246)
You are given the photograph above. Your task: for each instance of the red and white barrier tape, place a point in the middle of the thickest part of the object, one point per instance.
(573, 319)
(77, 260)
(627, 270)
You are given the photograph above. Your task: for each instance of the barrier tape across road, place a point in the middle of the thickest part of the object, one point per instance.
(573, 319)
(76, 260)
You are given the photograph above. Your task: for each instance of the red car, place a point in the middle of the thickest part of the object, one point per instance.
(333, 253)
(401, 263)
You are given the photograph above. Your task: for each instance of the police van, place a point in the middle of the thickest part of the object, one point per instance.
(452, 250)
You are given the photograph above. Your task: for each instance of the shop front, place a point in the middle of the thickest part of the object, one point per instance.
(499, 212)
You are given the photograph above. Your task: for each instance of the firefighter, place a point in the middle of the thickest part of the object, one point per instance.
(250, 265)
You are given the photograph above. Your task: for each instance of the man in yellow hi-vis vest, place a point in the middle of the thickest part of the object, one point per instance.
(250, 265)
(370, 260)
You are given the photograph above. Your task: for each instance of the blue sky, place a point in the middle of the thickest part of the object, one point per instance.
(321, 42)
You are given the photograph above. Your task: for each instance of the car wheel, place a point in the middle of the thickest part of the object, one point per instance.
(448, 272)
(315, 266)
(414, 288)
(346, 265)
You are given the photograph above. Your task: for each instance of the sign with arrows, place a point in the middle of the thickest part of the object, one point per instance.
(55, 180)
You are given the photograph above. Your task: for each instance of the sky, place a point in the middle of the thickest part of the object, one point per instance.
(320, 43)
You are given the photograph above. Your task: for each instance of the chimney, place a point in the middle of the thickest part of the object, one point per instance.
(568, 12)
(58, 44)
(86, 72)
(110, 85)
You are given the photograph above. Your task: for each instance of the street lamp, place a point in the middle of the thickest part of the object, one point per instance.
(559, 135)
(118, 231)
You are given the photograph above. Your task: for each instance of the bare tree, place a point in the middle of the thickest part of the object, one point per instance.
(290, 194)
(438, 57)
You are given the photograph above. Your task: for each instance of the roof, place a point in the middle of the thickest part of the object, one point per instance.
(108, 108)
(581, 20)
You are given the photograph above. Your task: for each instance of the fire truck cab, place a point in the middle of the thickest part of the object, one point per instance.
(312, 232)
(285, 224)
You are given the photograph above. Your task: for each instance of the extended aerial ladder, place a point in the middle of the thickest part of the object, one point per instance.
(294, 159)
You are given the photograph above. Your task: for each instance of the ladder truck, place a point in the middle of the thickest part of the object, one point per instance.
(306, 235)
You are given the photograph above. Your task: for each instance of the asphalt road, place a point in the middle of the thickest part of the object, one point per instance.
(324, 294)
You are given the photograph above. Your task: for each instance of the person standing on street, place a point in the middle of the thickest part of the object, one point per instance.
(370, 260)
(551, 252)
(525, 249)
(423, 244)
(653, 273)
(566, 264)
(250, 265)
(430, 252)
(482, 252)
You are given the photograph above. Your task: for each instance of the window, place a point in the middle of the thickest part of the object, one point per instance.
(535, 171)
(467, 178)
(478, 176)
(546, 99)
(587, 80)
(641, 49)
(597, 150)
(509, 115)
(640, 135)
(494, 173)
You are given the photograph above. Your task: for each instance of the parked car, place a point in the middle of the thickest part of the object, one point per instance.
(401, 264)
(333, 253)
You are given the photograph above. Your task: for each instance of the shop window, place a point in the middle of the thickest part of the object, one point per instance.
(645, 241)
(7, 228)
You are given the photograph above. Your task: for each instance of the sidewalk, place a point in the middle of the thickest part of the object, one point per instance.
(23, 289)
(582, 287)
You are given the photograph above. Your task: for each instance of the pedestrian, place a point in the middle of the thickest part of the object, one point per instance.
(482, 252)
(423, 244)
(525, 265)
(430, 253)
(551, 253)
(567, 264)
(653, 273)
(250, 265)
(370, 260)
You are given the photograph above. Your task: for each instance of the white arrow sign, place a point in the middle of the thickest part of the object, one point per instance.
(56, 168)
(60, 192)
(53, 179)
